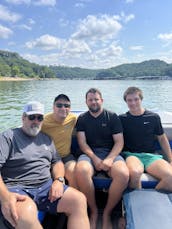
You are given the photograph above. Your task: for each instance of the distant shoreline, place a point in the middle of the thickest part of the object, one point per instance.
(15, 79)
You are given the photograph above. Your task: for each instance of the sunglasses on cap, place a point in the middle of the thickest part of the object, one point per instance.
(33, 117)
(60, 105)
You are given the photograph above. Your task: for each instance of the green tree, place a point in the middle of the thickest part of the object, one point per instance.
(15, 71)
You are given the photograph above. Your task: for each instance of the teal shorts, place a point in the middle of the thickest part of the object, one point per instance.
(145, 158)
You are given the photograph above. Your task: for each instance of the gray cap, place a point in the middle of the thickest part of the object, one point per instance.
(33, 107)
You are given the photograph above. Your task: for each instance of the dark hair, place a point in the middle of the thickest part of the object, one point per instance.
(94, 91)
(62, 96)
(133, 90)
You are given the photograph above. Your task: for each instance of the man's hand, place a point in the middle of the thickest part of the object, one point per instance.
(56, 191)
(107, 164)
(9, 207)
(97, 163)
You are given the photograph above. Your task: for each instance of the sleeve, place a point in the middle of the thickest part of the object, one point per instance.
(116, 126)
(80, 124)
(5, 148)
(158, 127)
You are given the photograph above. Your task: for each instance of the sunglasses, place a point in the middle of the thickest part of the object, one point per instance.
(60, 105)
(38, 117)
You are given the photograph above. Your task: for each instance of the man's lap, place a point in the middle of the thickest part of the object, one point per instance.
(102, 153)
(68, 158)
(39, 196)
(145, 158)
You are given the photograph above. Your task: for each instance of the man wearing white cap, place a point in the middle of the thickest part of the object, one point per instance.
(26, 184)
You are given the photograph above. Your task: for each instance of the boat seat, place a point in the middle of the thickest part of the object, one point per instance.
(147, 208)
(102, 181)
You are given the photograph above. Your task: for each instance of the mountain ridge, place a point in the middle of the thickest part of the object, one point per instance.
(12, 64)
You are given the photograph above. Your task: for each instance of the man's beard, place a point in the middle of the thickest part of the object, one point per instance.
(94, 110)
(33, 130)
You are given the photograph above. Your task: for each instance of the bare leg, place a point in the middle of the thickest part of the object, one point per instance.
(135, 170)
(120, 176)
(27, 212)
(84, 173)
(162, 170)
(74, 204)
(70, 173)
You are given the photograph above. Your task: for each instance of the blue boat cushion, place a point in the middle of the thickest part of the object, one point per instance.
(148, 209)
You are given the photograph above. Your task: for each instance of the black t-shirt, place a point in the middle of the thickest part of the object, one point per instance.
(99, 130)
(140, 131)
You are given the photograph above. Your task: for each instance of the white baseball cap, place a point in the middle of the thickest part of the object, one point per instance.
(33, 107)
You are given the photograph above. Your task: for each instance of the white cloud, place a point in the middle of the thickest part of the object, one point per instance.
(97, 28)
(31, 21)
(24, 26)
(112, 50)
(136, 47)
(74, 46)
(34, 2)
(45, 42)
(165, 37)
(7, 15)
(79, 5)
(129, 1)
(78, 52)
(11, 43)
(44, 2)
(126, 18)
(18, 2)
(63, 23)
(5, 32)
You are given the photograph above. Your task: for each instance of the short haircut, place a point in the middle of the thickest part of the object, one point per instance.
(133, 90)
(61, 96)
(94, 91)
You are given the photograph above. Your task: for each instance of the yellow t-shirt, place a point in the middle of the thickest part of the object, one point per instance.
(61, 133)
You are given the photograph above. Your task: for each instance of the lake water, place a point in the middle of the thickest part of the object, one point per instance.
(13, 95)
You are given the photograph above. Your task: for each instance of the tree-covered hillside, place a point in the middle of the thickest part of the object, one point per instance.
(74, 73)
(11, 64)
(152, 69)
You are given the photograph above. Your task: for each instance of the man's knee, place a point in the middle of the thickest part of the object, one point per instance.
(72, 201)
(27, 211)
(135, 173)
(84, 168)
(120, 172)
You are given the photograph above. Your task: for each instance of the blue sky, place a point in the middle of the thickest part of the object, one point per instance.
(87, 33)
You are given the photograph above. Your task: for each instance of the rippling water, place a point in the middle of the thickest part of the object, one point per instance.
(13, 95)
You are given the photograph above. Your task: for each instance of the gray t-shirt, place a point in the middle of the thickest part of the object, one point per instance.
(26, 160)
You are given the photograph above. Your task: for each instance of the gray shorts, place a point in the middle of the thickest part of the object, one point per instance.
(102, 153)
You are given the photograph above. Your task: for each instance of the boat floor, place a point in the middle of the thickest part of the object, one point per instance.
(54, 223)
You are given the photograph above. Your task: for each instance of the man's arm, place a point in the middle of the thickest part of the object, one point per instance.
(8, 203)
(57, 187)
(85, 148)
(118, 145)
(83, 144)
(116, 149)
(164, 143)
(58, 170)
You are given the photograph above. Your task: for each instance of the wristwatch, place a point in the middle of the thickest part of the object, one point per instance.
(61, 179)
